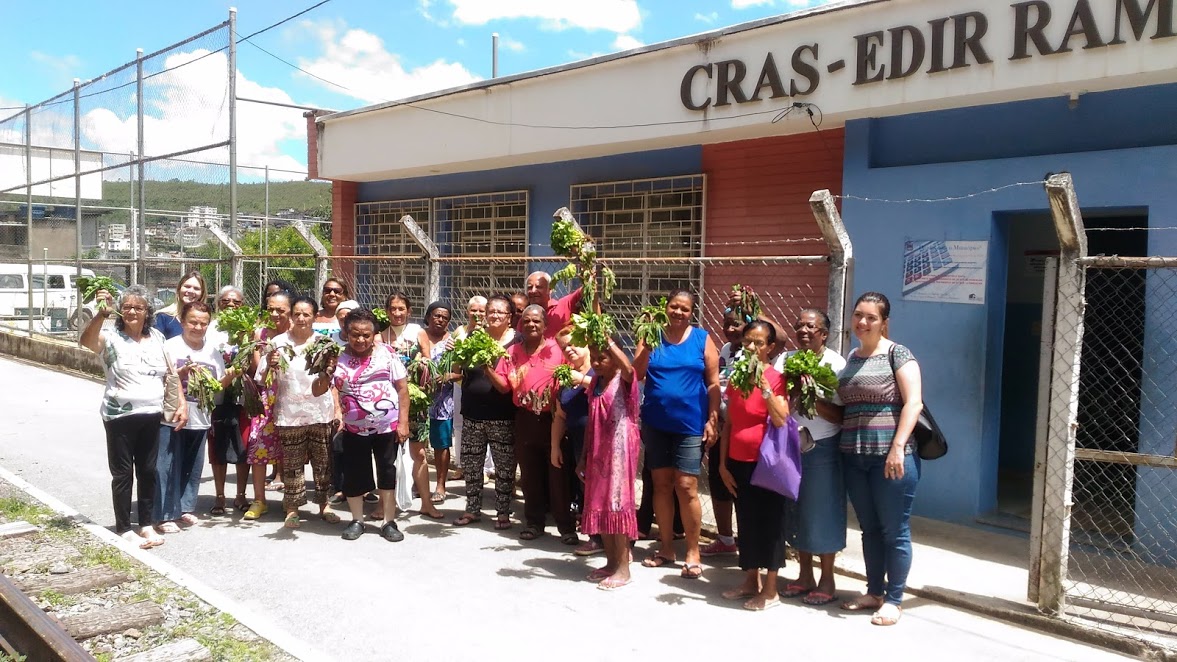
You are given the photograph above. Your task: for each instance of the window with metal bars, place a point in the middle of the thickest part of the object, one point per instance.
(379, 233)
(489, 225)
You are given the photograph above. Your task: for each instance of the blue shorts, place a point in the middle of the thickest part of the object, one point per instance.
(671, 450)
(441, 434)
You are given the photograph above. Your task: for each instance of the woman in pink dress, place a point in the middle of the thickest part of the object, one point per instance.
(610, 463)
(264, 447)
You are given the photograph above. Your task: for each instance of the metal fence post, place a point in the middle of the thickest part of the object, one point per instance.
(233, 123)
(141, 202)
(29, 204)
(433, 284)
(319, 249)
(829, 221)
(1064, 393)
(77, 184)
(235, 258)
(1041, 428)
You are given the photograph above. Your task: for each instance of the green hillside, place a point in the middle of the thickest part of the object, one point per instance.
(313, 198)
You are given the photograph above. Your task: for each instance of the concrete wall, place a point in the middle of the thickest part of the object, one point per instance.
(51, 353)
(961, 346)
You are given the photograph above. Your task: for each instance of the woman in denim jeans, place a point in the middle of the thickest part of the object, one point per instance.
(881, 389)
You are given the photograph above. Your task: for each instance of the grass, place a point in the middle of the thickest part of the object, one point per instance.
(55, 599)
(15, 508)
(111, 557)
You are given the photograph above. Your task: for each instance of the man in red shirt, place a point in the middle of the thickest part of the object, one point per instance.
(558, 311)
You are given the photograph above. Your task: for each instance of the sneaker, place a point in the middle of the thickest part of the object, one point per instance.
(353, 530)
(390, 533)
(371, 497)
(718, 547)
(256, 510)
(589, 547)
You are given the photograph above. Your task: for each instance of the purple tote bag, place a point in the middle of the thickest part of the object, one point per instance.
(779, 466)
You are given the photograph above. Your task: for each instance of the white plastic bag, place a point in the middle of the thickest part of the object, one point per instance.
(404, 482)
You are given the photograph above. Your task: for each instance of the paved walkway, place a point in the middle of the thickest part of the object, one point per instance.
(454, 594)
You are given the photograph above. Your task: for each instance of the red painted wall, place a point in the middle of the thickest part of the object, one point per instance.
(757, 194)
(343, 228)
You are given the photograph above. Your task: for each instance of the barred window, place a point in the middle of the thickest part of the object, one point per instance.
(486, 225)
(645, 218)
(379, 232)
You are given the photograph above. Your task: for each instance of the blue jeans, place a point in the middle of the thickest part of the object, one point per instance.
(883, 509)
(178, 465)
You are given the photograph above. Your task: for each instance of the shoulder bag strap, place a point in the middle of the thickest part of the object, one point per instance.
(891, 360)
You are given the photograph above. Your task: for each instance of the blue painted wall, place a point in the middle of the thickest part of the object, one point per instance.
(547, 183)
(960, 346)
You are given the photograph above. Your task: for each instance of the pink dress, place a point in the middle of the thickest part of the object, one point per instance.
(612, 443)
(264, 446)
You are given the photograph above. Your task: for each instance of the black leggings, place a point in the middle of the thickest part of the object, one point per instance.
(760, 519)
(131, 445)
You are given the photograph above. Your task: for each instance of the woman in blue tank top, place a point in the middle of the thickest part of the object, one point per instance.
(680, 414)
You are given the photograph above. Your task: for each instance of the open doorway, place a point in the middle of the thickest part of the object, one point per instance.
(1112, 300)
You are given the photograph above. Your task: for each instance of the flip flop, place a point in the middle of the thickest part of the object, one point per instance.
(657, 561)
(466, 519)
(691, 570)
(793, 590)
(502, 524)
(767, 605)
(857, 604)
(738, 594)
(437, 515)
(817, 598)
(292, 521)
(598, 575)
(606, 585)
(437, 498)
(329, 517)
(887, 619)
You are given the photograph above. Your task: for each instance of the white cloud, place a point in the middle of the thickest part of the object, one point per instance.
(613, 15)
(796, 4)
(357, 60)
(707, 18)
(512, 45)
(624, 42)
(744, 4)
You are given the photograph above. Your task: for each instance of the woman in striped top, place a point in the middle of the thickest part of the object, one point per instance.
(881, 389)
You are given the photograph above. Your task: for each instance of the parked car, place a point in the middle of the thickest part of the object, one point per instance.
(54, 289)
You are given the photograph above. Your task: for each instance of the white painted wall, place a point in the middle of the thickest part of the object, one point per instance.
(397, 141)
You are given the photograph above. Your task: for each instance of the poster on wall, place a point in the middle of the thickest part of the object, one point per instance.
(945, 271)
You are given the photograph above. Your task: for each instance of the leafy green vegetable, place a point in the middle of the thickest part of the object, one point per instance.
(749, 306)
(816, 381)
(610, 279)
(419, 401)
(382, 321)
(650, 322)
(564, 376)
(319, 354)
(285, 353)
(203, 386)
(90, 286)
(242, 323)
(474, 351)
(566, 239)
(746, 373)
(592, 330)
(566, 274)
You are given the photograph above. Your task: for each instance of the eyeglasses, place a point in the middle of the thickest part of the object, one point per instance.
(229, 301)
(497, 313)
(332, 290)
(134, 309)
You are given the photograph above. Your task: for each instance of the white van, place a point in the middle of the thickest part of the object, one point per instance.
(55, 295)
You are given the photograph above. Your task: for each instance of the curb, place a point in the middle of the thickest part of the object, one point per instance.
(1026, 616)
(261, 625)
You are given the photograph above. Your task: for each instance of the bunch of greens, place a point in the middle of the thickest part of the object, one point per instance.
(592, 330)
(474, 351)
(564, 376)
(204, 387)
(815, 381)
(569, 241)
(649, 324)
(319, 354)
(242, 323)
(419, 401)
(749, 306)
(382, 321)
(90, 286)
(285, 353)
(746, 373)
(424, 373)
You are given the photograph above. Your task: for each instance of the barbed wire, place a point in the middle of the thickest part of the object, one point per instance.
(952, 198)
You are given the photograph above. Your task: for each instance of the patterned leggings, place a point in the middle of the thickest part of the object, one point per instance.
(297, 444)
(476, 437)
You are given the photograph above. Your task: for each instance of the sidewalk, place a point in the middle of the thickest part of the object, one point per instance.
(987, 572)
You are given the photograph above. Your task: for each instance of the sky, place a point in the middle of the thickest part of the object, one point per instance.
(356, 52)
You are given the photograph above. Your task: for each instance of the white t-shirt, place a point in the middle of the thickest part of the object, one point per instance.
(820, 428)
(134, 373)
(216, 337)
(295, 404)
(209, 356)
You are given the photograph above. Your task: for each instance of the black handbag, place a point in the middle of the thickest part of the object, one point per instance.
(930, 443)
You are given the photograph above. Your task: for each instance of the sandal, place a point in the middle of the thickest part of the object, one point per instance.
(240, 503)
(863, 603)
(657, 561)
(188, 519)
(530, 533)
(887, 615)
(599, 574)
(570, 539)
(691, 571)
(218, 508)
(329, 517)
(276, 486)
(502, 523)
(167, 527)
(816, 598)
(437, 514)
(437, 498)
(612, 584)
(794, 590)
(292, 521)
(466, 519)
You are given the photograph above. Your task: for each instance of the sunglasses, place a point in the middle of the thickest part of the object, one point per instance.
(332, 290)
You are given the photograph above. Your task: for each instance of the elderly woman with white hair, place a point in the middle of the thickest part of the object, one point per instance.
(136, 367)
